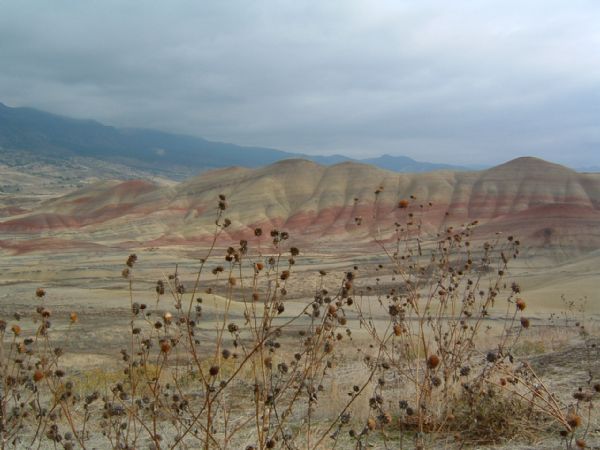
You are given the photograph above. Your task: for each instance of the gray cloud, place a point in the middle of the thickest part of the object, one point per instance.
(462, 81)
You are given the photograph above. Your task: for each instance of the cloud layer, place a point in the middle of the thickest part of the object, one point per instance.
(463, 82)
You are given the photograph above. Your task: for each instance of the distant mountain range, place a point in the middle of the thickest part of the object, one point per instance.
(54, 137)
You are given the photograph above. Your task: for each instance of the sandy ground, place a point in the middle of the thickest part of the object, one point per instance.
(91, 285)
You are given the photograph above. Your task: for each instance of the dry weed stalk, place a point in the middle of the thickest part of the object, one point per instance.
(187, 381)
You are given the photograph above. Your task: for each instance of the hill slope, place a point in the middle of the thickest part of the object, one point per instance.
(548, 205)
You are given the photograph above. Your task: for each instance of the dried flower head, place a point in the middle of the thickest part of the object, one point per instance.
(131, 260)
(521, 305)
(38, 376)
(40, 292)
(433, 361)
(574, 420)
(371, 424)
(403, 204)
(165, 347)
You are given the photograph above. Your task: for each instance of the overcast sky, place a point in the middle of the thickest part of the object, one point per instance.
(462, 81)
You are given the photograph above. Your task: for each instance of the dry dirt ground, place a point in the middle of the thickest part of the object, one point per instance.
(558, 296)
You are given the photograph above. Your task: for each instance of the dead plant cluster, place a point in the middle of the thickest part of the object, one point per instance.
(414, 351)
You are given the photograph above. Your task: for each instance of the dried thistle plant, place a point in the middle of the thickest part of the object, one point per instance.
(262, 379)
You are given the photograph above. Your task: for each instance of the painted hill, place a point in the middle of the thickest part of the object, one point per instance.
(548, 205)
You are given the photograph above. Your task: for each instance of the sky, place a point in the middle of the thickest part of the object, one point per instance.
(462, 81)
